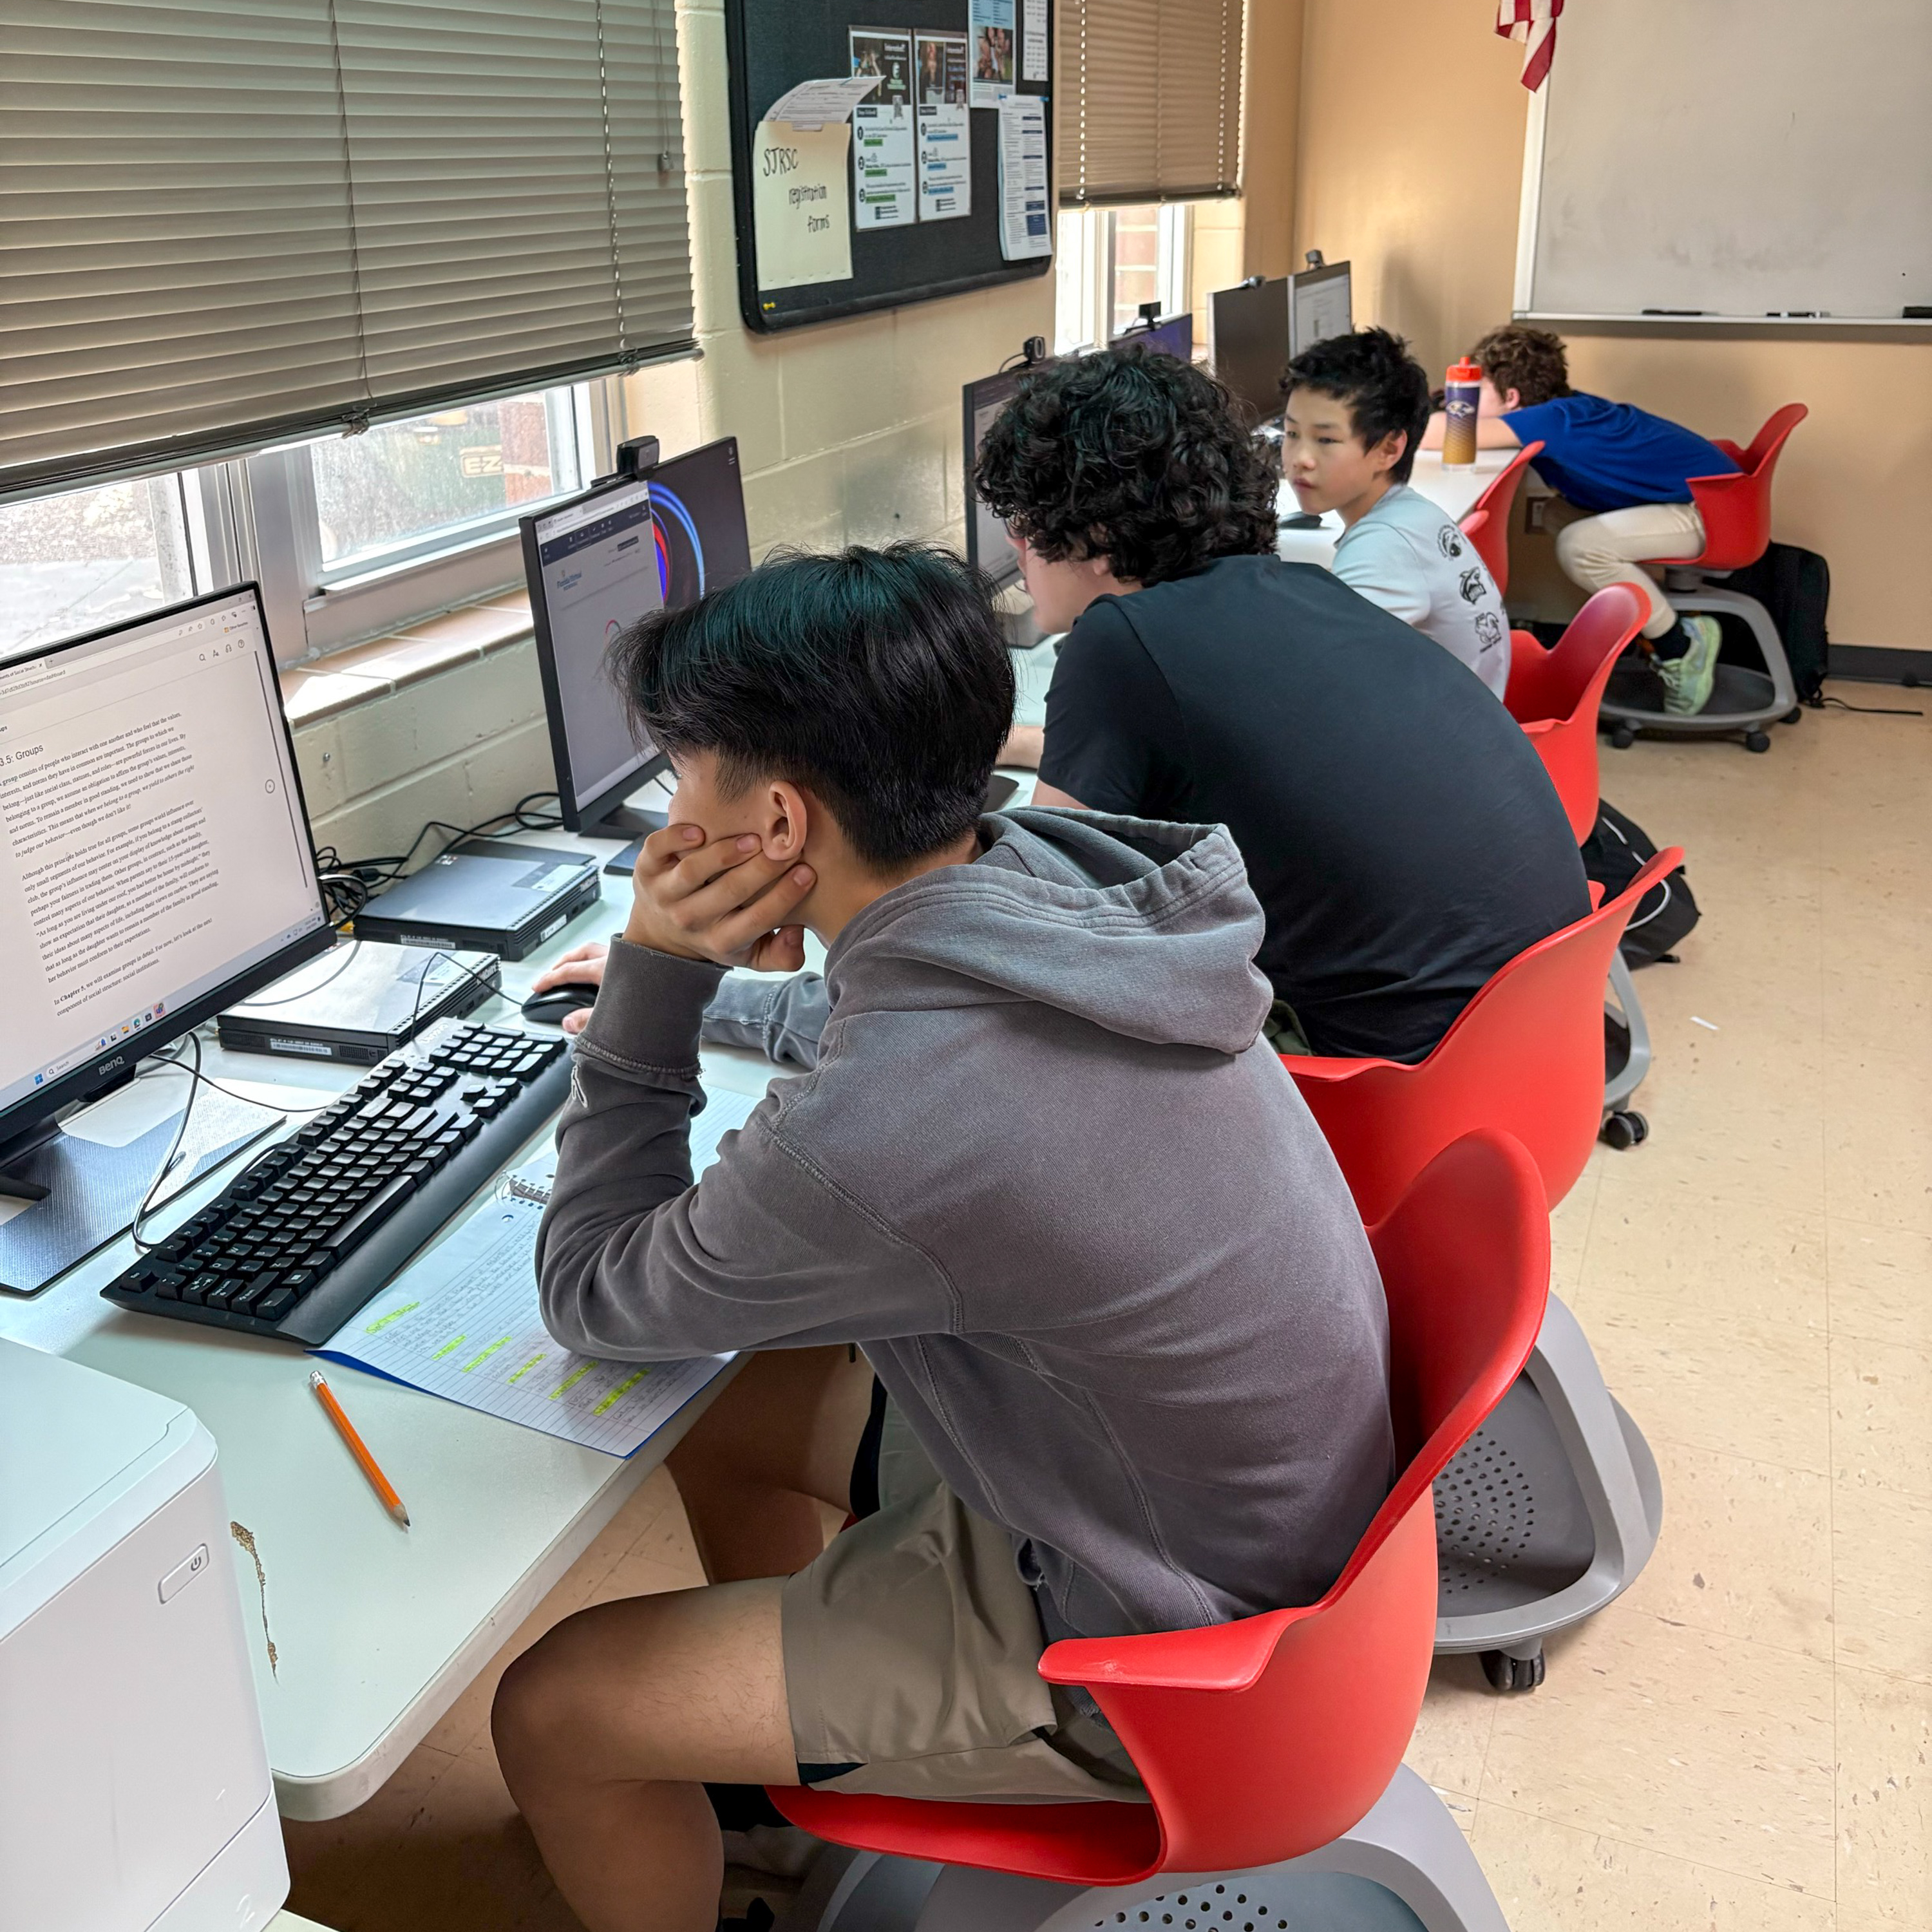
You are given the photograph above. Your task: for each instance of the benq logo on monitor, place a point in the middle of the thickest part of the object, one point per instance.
(108, 1065)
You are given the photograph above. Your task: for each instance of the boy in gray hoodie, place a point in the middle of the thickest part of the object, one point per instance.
(1128, 1335)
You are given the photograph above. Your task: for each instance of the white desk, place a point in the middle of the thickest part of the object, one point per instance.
(1455, 490)
(376, 1631)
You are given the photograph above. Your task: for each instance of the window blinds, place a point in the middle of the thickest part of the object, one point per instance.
(1150, 100)
(225, 223)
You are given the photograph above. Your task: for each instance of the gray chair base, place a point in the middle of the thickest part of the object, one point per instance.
(1549, 1511)
(1741, 699)
(1623, 1126)
(1405, 1867)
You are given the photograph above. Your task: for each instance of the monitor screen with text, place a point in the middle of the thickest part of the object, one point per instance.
(152, 842)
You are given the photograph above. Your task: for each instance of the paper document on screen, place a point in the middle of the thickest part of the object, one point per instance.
(464, 1322)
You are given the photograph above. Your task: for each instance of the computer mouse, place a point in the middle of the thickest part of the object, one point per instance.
(550, 1006)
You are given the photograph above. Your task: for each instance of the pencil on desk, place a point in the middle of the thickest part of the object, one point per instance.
(358, 1449)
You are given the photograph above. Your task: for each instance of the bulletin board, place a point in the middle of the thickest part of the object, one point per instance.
(771, 46)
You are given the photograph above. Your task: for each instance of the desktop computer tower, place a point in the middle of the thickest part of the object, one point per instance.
(135, 1794)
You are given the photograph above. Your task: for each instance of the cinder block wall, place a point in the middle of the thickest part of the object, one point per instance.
(462, 745)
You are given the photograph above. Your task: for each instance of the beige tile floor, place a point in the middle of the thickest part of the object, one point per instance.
(1744, 1740)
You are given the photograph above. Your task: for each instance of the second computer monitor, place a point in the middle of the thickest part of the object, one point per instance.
(1247, 340)
(1319, 306)
(596, 565)
(1173, 337)
(988, 546)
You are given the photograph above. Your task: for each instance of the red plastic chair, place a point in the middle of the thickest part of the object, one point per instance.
(1485, 523)
(1554, 695)
(1526, 1056)
(1736, 509)
(1264, 1739)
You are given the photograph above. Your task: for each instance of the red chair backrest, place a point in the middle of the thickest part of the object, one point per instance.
(1736, 509)
(1490, 535)
(1525, 1056)
(1554, 695)
(1263, 1739)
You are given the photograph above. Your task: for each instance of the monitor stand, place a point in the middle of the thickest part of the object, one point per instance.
(632, 822)
(83, 1193)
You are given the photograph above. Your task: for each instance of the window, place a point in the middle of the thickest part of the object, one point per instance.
(349, 537)
(404, 488)
(89, 558)
(1111, 260)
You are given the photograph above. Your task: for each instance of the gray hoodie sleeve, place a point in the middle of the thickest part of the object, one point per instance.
(781, 1018)
(634, 1262)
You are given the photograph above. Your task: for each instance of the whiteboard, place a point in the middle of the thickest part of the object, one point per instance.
(1732, 157)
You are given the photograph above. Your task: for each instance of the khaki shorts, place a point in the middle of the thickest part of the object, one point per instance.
(911, 1654)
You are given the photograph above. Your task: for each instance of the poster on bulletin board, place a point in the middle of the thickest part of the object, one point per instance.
(919, 180)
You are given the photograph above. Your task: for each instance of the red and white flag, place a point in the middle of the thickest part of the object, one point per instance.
(1533, 22)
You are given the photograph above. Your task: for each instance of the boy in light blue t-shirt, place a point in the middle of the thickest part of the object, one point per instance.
(1357, 406)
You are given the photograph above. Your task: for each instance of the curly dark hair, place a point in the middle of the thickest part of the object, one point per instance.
(1136, 457)
(1383, 384)
(1531, 362)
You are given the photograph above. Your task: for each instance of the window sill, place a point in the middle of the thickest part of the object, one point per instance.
(347, 678)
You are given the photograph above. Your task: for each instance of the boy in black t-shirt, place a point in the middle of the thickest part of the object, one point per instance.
(1399, 831)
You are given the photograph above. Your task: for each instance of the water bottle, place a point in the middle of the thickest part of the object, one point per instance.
(1460, 394)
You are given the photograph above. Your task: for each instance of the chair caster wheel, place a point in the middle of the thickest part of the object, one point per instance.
(1624, 1131)
(1506, 1672)
(1791, 716)
(1756, 741)
(1623, 736)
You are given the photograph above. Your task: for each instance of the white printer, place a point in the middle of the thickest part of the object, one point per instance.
(134, 1789)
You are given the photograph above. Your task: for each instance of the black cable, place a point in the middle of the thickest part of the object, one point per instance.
(174, 1151)
(1870, 710)
(389, 866)
(166, 1059)
(348, 952)
(482, 978)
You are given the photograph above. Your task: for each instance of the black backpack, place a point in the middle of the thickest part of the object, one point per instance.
(1613, 855)
(1794, 586)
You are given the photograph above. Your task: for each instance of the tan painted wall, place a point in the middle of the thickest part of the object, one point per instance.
(849, 432)
(1408, 161)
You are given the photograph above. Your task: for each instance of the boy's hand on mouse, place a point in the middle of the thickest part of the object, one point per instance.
(581, 966)
(720, 900)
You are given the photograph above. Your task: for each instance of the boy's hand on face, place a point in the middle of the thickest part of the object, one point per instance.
(720, 900)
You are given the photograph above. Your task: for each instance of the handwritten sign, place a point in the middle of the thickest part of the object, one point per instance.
(802, 203)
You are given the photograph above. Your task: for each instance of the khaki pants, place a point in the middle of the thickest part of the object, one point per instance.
(1605, 549)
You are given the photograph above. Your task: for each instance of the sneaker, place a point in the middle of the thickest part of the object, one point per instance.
(1687, 680)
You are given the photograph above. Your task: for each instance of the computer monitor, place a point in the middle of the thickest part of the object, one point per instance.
(596, 565)
(1172, 336)
(1247, 341)
(1319, 306)
(155, 863)
(988, 547)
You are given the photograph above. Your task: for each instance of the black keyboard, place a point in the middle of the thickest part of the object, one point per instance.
(296, 1244)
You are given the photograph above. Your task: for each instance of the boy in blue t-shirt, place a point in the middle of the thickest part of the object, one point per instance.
(1630, 468)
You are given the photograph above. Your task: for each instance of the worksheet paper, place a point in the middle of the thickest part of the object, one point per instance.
(1026, 226)
(945, 128)
(464, 1322)
(885, 192)
(1032, 41)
